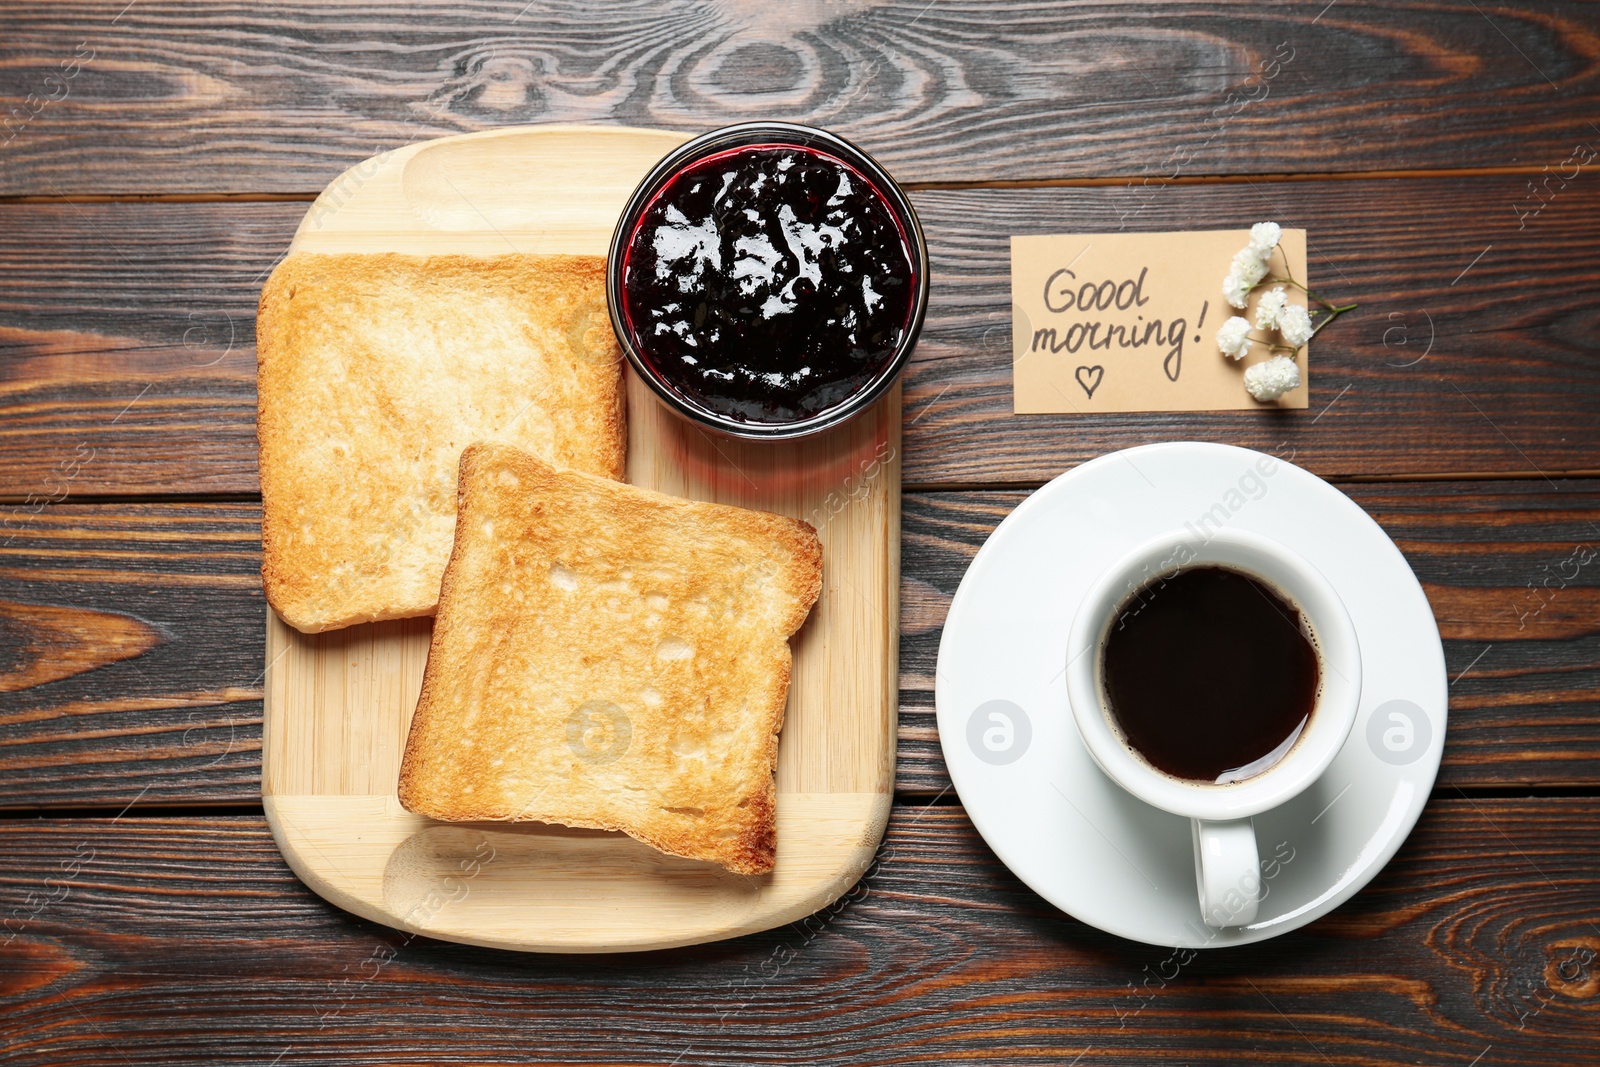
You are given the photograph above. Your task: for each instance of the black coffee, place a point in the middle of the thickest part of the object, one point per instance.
(1210, 674)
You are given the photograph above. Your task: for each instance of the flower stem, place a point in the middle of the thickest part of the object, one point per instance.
(1273, 345)
(1333, 313)
(1303, 289)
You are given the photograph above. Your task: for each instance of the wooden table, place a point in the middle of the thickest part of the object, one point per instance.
(1443, 157)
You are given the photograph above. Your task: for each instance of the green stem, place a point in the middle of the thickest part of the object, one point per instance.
(1272, 345)
(1303, 289)
(1332, 314)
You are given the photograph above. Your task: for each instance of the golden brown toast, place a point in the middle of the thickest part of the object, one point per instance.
(610, 657)
(374, 372)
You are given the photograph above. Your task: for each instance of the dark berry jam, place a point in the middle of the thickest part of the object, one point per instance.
(768, 284)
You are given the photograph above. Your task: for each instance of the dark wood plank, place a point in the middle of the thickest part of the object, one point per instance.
(127, 346)
(131, 654)
(169, 97)
(1473, 349)
(1512, 569)
(107, 305)
(152, 616)
(167, 941)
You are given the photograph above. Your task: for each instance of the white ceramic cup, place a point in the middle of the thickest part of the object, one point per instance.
(1226, 859)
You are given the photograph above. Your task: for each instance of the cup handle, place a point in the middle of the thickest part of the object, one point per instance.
(1227, 870)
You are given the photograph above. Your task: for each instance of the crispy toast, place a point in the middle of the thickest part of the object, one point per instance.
(611, 657)
(374, 372)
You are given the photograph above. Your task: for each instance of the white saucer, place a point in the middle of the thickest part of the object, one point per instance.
(1043, 805)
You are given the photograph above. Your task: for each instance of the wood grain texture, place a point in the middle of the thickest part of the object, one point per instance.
(220, 96)
(1474, 349)
(45, 644)
(180, 586)
(183, 719)
(127, 346)
(167, 941)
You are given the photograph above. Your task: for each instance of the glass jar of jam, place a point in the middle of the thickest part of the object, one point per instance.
(768, 280)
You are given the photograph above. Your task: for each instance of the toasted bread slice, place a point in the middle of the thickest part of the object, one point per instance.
(374, 372)
(610, 657)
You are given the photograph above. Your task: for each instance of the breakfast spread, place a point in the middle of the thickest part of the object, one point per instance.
(444, 433)
(374, 372)
(607, 656)
(768, 283)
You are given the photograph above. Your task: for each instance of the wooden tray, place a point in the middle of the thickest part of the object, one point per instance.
(338, 704)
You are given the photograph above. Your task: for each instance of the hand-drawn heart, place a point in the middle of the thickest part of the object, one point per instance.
(1089, 378)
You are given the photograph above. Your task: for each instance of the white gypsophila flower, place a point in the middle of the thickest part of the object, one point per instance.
(1264, 237)
(1273, 301)
(1234, 338)
(1249, 265)
(1269, 380)
(1294, 322)
(1235, 290)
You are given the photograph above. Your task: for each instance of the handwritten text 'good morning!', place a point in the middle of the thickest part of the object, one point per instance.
(1063, 293)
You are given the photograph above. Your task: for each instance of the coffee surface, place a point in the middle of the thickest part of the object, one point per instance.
(1210, 674)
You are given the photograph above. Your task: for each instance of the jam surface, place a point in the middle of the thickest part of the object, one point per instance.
(768, 284)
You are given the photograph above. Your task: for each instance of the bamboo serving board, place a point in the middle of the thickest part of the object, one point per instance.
(338, 704)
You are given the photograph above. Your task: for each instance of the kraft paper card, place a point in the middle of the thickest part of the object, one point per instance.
(1106, 322)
